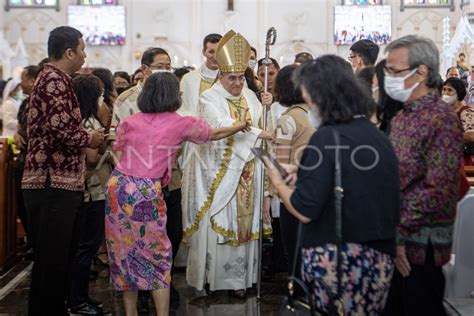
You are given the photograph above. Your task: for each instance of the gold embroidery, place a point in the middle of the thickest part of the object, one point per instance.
(215, 184)
(245, 189)
(204, 85)
(231, 234)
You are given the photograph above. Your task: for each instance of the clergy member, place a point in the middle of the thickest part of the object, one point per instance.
(222, 186)
(196, 82)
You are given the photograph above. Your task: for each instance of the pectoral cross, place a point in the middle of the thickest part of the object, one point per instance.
(230, 5)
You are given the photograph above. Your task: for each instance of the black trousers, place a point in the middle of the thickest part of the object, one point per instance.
(20, 204)
(174, 225)
(92, 227)
(54, 233)
(421, 293)
(289, 229)
(279, 258)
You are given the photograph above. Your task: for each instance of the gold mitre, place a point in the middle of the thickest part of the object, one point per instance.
(233, 53)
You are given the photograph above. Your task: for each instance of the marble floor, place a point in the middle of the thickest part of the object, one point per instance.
(13, 298)
(14, 293)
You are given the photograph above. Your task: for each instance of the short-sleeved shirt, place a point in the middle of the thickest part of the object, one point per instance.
(294, 130)
(149, 142)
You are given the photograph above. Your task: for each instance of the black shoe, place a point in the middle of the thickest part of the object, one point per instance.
(240, 294)
(143, 305)
(95, 303)
(88, 309)
(208, 290)
(174, 295)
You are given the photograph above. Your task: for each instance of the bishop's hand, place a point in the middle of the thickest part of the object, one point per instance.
(244, 122)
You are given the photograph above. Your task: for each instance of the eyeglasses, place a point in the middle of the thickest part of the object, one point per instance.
(391, 72)
(350, 57)
(164, 67)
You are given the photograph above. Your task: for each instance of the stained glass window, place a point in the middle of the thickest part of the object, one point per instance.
(362, 2)
(98, 2)
(427, 3)
(32, 4)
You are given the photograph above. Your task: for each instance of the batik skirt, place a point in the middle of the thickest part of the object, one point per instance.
(366, 277)
(139, 250)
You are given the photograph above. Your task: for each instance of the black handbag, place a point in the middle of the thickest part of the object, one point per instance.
(306, 307)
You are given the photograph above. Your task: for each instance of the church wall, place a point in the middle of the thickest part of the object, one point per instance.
(180, 25)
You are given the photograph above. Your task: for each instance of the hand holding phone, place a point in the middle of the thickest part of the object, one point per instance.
(260, 153)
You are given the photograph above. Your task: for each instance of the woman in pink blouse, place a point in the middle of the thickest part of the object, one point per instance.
(139, 250)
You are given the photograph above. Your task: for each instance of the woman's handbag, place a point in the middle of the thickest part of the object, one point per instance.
(306, 306)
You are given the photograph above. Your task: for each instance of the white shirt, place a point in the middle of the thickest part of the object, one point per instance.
(10, 109)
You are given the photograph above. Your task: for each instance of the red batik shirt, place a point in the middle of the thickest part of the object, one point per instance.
(56, 137)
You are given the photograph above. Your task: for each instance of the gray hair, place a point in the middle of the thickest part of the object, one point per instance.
(421, 51)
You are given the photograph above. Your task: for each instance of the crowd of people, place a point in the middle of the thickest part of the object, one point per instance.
(135, 165)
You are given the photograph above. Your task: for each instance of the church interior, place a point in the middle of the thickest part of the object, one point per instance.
(118, 35)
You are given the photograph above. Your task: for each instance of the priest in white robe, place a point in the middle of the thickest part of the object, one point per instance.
(198, 81)
(222, 186)
(192, 86)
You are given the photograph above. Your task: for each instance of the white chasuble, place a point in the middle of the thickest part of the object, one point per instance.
(221, 197)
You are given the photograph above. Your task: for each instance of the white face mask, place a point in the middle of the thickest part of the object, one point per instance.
(154, 71)
(19, 96)
(100, 100)
(395, 87)
(252, 63)
(450, 99)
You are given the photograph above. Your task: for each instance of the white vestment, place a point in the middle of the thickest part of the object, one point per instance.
(217, 255)
(190, 87)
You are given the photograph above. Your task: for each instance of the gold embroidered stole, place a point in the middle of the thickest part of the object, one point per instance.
(245, 190)
(204, 85)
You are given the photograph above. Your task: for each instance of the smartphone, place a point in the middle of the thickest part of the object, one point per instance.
(260, 153)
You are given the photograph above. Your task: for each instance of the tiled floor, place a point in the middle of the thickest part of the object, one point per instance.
(193, 303)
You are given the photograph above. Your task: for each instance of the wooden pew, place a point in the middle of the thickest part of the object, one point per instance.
(8, 240)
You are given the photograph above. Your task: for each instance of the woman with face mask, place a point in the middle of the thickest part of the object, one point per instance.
(454, 92)
(12, 98)
(370, 182)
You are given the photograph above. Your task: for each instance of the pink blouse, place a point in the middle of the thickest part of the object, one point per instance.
(149, 142)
